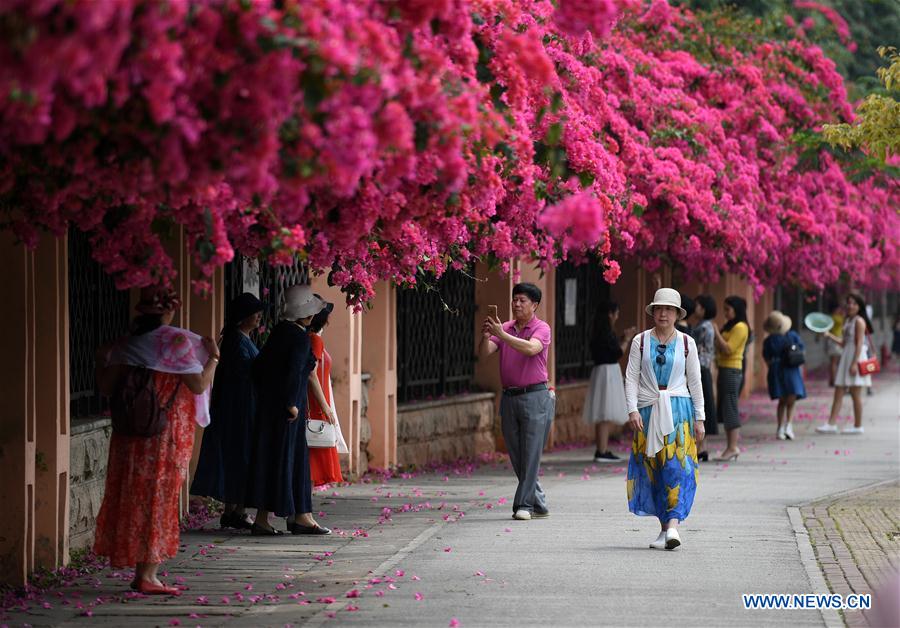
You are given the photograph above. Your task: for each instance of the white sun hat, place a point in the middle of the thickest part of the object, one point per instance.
(670, 297)
(300, 302)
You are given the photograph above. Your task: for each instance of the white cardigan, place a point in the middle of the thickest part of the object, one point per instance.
(642, 389)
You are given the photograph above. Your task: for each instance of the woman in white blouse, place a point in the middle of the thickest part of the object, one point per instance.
(664, 396)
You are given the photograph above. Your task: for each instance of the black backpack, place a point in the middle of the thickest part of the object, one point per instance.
(793, 355)
(135, 407)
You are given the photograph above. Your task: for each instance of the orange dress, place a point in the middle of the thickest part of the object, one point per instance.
(138, 521)
(324, 463)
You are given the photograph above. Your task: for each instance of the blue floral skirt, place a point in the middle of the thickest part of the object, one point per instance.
(664, 485)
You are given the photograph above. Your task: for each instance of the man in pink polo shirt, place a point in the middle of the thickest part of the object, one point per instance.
(527, 406)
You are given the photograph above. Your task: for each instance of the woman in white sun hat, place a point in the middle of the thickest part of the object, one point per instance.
(784, 379)
(664, 397)
(279, 478)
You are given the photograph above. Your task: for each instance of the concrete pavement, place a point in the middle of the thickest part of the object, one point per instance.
(440, 548)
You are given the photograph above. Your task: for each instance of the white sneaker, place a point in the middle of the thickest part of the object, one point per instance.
(780, 433)
(522, 515)
(672, 539)
(852, 430)
(789, 431)
(660, 542)
(827, 428)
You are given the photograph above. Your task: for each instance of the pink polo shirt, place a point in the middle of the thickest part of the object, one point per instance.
(518, 369)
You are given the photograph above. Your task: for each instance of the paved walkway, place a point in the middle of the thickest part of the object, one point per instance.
(440, 549)
(856, 537)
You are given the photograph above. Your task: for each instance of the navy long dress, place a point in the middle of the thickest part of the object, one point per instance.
(279, 479)
(225, 451)
(783, 380)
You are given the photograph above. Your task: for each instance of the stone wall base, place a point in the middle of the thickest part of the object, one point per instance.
(89, 450)
(568, 425)
(445, 430)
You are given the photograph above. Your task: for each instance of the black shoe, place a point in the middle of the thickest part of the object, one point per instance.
(256, 530)
(241, 521)
(540, 514)
(299, 528)
(703, 456)
(606, 456)
(234, 520)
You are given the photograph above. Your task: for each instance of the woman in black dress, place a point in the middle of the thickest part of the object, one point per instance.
(225, 453)
(279, 479)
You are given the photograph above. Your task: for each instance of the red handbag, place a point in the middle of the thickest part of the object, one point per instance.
(871, 365)
(868, 367)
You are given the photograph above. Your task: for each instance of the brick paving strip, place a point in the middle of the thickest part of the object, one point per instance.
(856, 540)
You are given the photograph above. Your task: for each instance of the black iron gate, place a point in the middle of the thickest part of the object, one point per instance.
(579, 289)
(273, 281)
(98, 313)
(436, 338)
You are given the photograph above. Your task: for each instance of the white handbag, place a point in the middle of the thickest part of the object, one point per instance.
(320, 433)
(325, 434)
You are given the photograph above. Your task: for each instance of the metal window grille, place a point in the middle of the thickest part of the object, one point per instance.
(98, 313)
(435, 347)
(273, 280)
(579, 289)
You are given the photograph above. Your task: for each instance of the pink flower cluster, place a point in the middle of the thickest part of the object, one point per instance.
(379, 139)
(575, 17)
(838, 23)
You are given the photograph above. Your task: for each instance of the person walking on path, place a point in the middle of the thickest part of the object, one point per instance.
(159, 379)
(785, 380)
(895, 343)
(855, 348)
(833, 348)
(225, 452)
(527, 406)
(705, 337)
(665, 411)
(324, 462)
(279, 479)
(604, 405)
(686, 325)
(731, 344)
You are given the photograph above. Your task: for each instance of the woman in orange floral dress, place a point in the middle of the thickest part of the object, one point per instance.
(138, 520)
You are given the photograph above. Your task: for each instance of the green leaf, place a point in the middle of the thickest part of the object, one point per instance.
(422, 134)
(556, 103)
(554, 133)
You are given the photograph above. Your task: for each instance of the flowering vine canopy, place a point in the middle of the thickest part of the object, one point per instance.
(380, 138)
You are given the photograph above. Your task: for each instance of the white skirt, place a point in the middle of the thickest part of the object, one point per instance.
(605, 399)
(843, 376)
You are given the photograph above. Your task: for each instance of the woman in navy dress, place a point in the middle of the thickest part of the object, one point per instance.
(279, 479)
(225, 452)
(785, 382)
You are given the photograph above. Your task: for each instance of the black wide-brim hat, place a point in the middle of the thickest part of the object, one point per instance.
(242, 307)
(328, 308)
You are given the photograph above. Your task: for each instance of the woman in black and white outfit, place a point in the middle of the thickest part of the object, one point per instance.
(604, 405)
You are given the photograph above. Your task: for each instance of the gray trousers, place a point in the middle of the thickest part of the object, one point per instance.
(728, 391)
(709, 401)
(525, 421)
